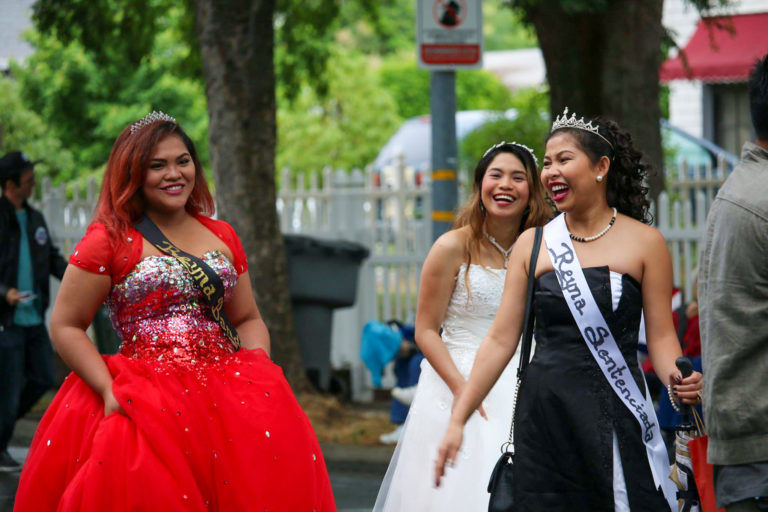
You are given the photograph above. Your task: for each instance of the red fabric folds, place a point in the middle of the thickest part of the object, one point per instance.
(225, 437)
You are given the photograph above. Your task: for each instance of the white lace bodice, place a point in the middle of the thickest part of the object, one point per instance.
(471, 312)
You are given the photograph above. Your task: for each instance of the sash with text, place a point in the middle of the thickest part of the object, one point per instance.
(605, 350)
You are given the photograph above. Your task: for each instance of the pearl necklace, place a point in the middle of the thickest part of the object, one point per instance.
(594, 237)
(504, 252)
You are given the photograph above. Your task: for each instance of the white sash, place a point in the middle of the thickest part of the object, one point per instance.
(606, 352)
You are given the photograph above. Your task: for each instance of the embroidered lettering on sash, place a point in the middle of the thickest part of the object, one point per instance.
(603, 347)
(565, 277)
(204, 276)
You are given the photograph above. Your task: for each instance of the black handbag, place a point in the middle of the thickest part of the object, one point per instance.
(500, 485)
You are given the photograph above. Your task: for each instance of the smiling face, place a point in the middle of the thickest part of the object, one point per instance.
(504, 189)
(568, 174)
(170, 177)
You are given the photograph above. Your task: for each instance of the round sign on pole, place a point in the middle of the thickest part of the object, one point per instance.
(450, 34)
(449, 13)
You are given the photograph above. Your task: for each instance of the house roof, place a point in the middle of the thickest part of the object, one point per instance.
(723, 49)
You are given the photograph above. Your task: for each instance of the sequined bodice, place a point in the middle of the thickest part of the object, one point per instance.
(471, 312)
(158, 311)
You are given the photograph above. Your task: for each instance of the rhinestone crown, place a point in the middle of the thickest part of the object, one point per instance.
(529, 150)
(153, 117)
(579, 124)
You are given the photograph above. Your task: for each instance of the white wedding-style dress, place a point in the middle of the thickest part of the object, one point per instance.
(409, 482)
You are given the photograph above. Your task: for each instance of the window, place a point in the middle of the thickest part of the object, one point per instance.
(733, 126)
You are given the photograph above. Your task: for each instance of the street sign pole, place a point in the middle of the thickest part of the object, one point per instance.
(450, 37)
(442, 105)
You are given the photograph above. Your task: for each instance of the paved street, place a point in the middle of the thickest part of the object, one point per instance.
(355, 471)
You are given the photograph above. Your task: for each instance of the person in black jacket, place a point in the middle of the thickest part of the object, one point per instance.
(27, 258)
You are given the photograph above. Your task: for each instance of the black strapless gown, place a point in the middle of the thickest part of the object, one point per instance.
(567, 412)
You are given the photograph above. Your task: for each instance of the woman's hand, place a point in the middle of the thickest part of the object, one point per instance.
(449, 447)
(111, 404)
(687, 390)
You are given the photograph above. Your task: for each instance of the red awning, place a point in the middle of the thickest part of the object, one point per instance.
(723, 49)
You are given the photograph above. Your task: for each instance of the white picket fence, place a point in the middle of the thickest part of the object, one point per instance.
(682, 216)
(389, 213)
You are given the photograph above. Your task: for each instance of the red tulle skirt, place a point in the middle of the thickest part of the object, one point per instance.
(225, 437)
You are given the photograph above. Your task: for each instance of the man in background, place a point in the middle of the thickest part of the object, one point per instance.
(27, 258)
(733, 315)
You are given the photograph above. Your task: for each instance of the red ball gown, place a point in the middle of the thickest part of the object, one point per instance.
(205, 428)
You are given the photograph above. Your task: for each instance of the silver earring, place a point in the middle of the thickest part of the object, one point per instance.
(599, 178)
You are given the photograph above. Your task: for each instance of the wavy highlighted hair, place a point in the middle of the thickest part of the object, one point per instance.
(121, 203)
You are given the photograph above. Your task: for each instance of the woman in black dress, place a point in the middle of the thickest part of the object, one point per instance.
(588, 438)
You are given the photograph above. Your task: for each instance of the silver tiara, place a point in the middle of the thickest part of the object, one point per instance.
(529, 150)
(152, 118)
(571, 122)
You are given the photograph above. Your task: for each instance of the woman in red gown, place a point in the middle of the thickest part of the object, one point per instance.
(178, 419)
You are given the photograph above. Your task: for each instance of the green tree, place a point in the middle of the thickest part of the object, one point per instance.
(504, 29)
(529, 126)
(409, 86)
(86, 101)
(346, 128)
(602, 58)
(23, 130)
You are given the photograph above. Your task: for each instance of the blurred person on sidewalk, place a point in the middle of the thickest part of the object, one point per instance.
(27, 258)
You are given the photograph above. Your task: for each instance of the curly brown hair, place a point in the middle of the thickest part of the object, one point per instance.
(624, 188)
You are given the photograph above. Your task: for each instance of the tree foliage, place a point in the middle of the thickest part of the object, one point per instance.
(530, 126)
(86, 98)
(345, 128)
(504, 29)
(409, 86)
(23, 129)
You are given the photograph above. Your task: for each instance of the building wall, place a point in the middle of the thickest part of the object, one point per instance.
(686, 97)
(685, 106)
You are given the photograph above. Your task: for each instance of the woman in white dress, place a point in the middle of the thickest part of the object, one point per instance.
(461, 285)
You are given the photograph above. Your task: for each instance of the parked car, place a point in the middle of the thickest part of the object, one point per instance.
(413, 140)
(697, 152)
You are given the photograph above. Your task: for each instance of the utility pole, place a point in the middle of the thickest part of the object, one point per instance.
(442, 106)
(443, 49)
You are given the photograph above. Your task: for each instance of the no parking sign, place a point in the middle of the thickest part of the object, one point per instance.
(450, 34)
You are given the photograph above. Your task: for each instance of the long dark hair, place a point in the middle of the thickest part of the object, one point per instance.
(624, 189)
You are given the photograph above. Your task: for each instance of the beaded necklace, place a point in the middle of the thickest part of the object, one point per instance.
(594, 237)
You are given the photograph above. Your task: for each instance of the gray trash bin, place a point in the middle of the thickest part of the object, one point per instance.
(323, 276)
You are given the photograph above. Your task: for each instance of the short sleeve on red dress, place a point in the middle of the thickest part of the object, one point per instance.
(94, 252)
(227, 233)
(99, 253)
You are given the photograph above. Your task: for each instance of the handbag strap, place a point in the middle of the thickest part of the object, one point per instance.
(206, 279)
(528, 321)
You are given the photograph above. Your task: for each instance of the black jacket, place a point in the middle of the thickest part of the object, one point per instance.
(46, 259)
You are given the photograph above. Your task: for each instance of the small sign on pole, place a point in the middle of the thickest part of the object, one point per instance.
(449, 34)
